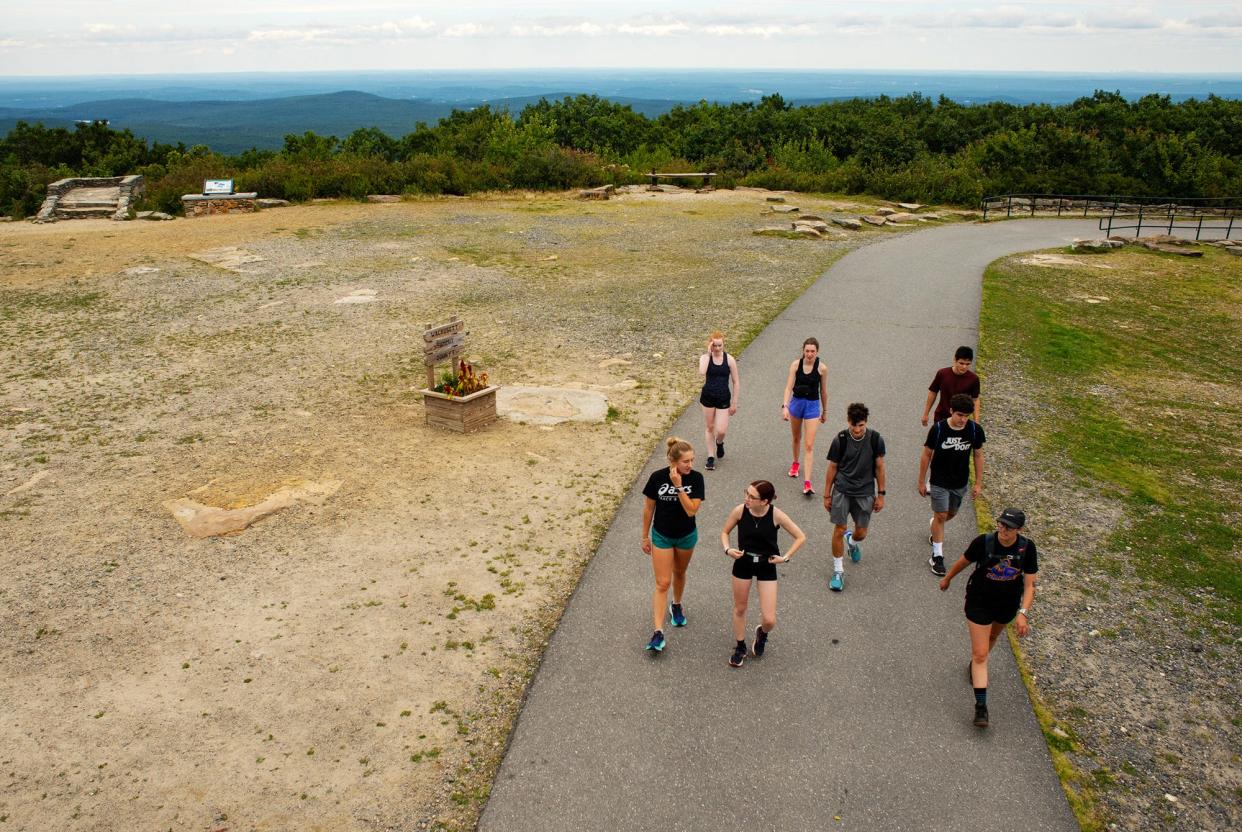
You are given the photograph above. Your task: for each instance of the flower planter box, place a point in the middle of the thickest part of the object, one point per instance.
(464, 414)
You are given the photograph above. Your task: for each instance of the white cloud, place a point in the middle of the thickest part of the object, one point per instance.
(467, 30)
(556, 30)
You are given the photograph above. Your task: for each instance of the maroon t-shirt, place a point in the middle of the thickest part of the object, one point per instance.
(948, 384)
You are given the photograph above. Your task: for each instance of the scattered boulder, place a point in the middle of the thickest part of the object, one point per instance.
(884, 212)
(847, 222)
(1169, 248)
(784, 209)
(597, 193)
(6, 219)
(803, 231)
(815, 225)
(809, 217)
(269, 202)
(774, 231)
(901, 217)
(157, 216)
(201, 521)
(1236, 251)
(874, 220)
(1095, 245)
(776, 199)
(383, 198)
(912, 207)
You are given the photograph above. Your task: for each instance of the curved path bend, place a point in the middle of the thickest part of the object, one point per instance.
(858, 717)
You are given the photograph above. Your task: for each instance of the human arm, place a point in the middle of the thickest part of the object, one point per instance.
(823, 393)
(1023, 621)
(927, 405)
(978, 489)
(703, 359)
(648, 514)
(690, 505)
(953, 570)
(975, 399)
(881, 476)
(789, 383)
(733, 375)
(799, 536)
(829, 479)
(731, 522)
(924, 461)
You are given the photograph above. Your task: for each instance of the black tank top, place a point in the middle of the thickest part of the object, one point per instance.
(717, 376)
(757, 535)
(806, 385)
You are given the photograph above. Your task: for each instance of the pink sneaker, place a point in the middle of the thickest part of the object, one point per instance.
(793, 470)
(806, 488)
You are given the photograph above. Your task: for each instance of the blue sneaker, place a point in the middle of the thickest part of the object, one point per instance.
(854, 549)
(679, 617)
(657, 641)
(838, 582)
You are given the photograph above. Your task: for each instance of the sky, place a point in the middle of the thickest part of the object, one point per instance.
(101, 37)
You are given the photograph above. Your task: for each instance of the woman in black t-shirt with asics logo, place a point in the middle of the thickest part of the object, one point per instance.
(673, 496)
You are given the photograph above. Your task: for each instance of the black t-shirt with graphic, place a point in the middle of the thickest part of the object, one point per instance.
(951, 452)
(671, 519)
(999, 579)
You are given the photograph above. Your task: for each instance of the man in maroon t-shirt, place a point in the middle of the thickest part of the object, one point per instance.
(950, 381)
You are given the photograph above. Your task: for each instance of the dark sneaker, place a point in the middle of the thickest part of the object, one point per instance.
(981, 715)
(720, 450)
(711, 463)
(679, 617)
(761, 642)
(739, 656)
(838, 582)
(657, 641)
(937, 565)
(854, 549)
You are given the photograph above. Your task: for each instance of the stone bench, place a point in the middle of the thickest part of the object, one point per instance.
(203, 205)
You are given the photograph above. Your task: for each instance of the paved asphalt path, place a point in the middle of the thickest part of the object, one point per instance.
(859, 716)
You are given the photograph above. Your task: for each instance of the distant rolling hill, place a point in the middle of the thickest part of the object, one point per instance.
(233, 126)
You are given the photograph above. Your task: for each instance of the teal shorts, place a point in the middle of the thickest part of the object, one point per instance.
(661, 542)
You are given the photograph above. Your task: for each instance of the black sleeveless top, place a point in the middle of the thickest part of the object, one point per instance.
(757, 535)
(806, 385)
(717, 376)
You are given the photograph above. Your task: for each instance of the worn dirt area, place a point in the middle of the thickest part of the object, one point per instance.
(354, 660)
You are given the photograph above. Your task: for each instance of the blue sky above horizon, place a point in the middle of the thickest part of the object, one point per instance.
(73, 37)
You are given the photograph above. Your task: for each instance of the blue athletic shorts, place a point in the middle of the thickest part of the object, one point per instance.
(659, 541)
(803, 408)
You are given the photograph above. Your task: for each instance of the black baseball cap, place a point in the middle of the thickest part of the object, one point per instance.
(1014, 518)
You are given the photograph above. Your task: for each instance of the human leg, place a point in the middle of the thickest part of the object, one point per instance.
(810, 428)
(741, 600)
(709, 429)
(721, 428)
(662, 567)
(681, 562)
(795, 428)
(767, 604)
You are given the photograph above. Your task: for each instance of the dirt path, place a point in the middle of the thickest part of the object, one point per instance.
(350, 663)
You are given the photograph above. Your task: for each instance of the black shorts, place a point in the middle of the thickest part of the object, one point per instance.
(716, 399)
(980, 609)
(746, 568)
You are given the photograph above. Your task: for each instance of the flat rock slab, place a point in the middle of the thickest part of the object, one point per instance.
(550, 405)
(91, 195)
(201, 521)
(229, 258)
(269, 202)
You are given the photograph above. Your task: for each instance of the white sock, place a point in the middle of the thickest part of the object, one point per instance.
(937, 549)
(838, 564)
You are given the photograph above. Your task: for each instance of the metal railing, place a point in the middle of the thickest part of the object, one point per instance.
(1123, 213)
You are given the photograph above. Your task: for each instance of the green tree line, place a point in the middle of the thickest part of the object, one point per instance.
(907, 148)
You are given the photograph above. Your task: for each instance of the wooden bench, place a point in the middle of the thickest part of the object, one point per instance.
(654, 177)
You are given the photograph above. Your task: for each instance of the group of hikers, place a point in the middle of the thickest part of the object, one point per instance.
(1001, 587)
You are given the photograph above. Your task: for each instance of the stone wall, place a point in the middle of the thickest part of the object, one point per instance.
(131, 187)
(201, 205)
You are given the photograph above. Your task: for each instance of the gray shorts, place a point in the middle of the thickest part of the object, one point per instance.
(844, 507)
(948, 499)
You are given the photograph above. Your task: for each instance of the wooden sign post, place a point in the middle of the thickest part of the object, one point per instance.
(442, 343)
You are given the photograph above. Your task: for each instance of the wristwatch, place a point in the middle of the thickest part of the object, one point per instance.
(1022, 611)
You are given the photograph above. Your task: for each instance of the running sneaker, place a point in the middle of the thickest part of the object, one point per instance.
(806, 488)
(854, 549)
(937, 565)
(793, 470)
(720, 449)
(838, 582)
(739, 655)
(761, 642)
(981, 715)
(657, 641)
(679, 617)
(711, 463)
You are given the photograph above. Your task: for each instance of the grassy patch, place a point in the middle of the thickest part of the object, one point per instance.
(1137, 369)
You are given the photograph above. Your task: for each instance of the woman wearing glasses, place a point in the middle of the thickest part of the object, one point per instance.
(754, 559)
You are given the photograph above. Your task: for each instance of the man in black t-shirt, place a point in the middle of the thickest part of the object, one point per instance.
(947, 452)
(1000, 590)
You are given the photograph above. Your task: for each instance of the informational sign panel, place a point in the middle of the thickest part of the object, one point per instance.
(218, 186)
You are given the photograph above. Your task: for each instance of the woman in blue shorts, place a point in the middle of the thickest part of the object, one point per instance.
(755, 559)
(805, 406)
(673, 496)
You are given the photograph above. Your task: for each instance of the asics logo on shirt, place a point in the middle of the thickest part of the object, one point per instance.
(956, 443)
(670, 489)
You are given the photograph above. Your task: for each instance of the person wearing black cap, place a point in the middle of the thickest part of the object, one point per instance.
(1000, 590)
